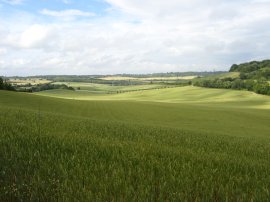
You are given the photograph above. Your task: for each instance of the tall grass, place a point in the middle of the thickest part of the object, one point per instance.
(64, 150)
(78, 159)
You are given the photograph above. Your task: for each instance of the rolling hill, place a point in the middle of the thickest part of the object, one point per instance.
(171, 144)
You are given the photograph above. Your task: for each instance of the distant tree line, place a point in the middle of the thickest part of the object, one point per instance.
(257, 75)
(97, 78)
(250, 66)
(168, 74)
(4, 85)
(254, 76)
(43, 87)
(260, 86)
(90, 79)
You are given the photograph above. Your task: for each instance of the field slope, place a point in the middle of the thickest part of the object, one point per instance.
(188, 94)
(175, 144)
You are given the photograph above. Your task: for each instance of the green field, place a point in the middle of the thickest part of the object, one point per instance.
(119, 78)
(32, 81)
(104, 88)
(224, 75)
(173, 144)
(188, 94)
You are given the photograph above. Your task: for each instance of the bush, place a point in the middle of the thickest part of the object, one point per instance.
(261, 86)
(43, 87)
(4, 85)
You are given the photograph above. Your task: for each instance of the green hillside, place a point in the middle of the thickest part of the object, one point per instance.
(233, 75)
(105, 88)
(250, 66)
(252, 76)
(256, 70)
(172, 144)
(188, 94)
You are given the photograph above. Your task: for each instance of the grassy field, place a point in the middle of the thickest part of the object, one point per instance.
(188, 94)
(105, 88)
(175, 144)
(233, 75)
(171, 78)
(119, 78)
(33, 81)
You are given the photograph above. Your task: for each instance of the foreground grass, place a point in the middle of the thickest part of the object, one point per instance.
(67, 150)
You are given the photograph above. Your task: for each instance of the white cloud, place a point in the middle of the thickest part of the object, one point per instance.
(35, 35)
(66, 13)
(31, 37)
(148, 36)
(3, 51)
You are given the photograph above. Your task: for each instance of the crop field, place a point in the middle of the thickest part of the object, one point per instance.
(119, 78)
(105, 88)
(173, 144)
(224, 75)
(33, 81)
(188, 94)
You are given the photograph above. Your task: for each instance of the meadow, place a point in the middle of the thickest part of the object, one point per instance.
(105, 88)
(31, 81)
(173, 144)
(164, 78)
(232, 75)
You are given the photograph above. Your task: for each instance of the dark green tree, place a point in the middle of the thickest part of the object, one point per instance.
(1, 83)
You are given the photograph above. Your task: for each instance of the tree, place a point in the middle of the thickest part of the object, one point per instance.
(1, 83)
(238, 84)
(243, 75)
(234, 67)
(4, 85)
(249, 85)
(262, 88)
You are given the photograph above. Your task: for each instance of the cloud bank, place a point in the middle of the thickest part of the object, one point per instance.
(135, 36)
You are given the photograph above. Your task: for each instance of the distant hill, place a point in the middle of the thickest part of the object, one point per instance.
(253, 70)
(250, 66)
(251, 76)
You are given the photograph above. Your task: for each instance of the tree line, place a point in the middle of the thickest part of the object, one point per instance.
(260, 87)
(254, 76)
(43, 87)
(249, 67)
(4, 85)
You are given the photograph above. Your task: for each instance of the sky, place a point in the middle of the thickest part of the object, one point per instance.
(49, 37)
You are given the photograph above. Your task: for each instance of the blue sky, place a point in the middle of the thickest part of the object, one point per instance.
(130, 36)
(34, 7)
